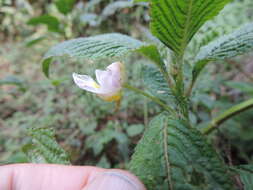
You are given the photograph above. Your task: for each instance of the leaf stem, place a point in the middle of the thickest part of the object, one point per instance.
(234, 110)
(153, 98)
(189, 90)
(166, 76)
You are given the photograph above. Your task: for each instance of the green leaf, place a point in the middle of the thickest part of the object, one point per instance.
(246, 175)
(147, 161)
(65, 6)
(51, 22)
(97, 47)
(228, 46)
(173, 152)
(134, 130)
(156, 84)
(153, 54)
(233, 16)
(175, 22)
(44, 148)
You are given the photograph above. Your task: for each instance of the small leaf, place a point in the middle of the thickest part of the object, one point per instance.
(246, 175)
(134, 130)
(65, 6)
(228, 46)
(44, 148)
(51, 22)
(175, 22)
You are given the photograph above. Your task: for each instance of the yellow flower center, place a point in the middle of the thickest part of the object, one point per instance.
(95, 85)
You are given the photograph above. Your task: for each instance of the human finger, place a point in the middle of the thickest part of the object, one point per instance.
(60, 177)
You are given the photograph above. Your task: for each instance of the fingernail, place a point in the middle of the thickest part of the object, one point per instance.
(114, 181)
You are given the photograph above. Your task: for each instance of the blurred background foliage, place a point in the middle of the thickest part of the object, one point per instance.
(86, 127)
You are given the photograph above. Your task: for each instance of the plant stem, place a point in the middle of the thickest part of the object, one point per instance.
(180, 88)
(189, 90)
(167, 77)
(234, 110)
(153, 98)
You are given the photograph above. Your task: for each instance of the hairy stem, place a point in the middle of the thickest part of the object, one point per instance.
(153, 98)
(214, 124)
(167, 77)
(189, 90)
(165, 150)
(179, 87)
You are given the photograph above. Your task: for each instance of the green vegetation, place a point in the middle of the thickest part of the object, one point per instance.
(185, 119)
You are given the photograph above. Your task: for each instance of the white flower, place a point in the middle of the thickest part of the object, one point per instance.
(109, 82)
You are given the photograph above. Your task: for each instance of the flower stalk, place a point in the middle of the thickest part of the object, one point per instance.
(153, 98)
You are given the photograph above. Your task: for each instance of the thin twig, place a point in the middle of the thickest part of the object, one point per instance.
(234, 110)
(153, 98)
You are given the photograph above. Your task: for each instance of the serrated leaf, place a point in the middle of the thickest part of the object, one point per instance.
(236, 43)
(33, 155)
(147, 161)
(176, 22)
(97, 47)
(246, 175)
(172, 151)
(51, 22)
(228, 46)
(229, 19)
(189, 154)
(65, 6)
(44, 148)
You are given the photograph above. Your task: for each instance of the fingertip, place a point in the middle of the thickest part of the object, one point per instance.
(114, 179)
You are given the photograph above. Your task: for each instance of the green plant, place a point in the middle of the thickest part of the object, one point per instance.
(173, 153)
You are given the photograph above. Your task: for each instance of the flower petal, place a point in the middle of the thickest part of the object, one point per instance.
(104, 78)
(111, 79)
(117, 69)
(86, 82)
